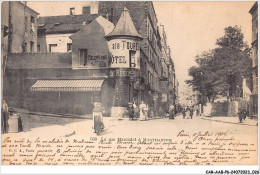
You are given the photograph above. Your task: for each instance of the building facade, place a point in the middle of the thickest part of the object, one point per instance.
(54, 31)
(19, 31)
(22, 27)
(254, 12)
(121, 51)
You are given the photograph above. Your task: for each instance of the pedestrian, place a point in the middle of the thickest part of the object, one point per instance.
(183, 112)
(197, 112)
(98, 118)
(4, 117)
(242, 115)
(136, 110)
(191, 112)
(187, 111)
(131, 111)
(171, 112)
(160, 112)
(146, 109)
(142, 107)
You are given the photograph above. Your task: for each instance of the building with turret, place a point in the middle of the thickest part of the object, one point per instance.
(116, 56)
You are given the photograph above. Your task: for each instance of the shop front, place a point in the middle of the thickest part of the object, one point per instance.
(70, 96)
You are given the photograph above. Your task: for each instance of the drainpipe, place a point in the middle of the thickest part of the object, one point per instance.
(10, 27)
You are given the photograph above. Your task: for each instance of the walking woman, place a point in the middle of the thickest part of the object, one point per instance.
(142, 108)
(171, 112)
(98, 118)
(136, 110)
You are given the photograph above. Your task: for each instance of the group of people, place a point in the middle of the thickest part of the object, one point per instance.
(242, 113)
(189, 112)
(140, 112)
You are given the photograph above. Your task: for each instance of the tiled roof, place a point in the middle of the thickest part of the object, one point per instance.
(64, 24)
(125, 26)
(39, 60)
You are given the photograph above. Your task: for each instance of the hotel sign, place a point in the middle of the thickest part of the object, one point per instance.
(124, 53)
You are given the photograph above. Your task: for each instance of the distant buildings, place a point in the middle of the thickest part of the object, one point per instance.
(19, 31)
(254, 12)
(112, 52)
(20, 23)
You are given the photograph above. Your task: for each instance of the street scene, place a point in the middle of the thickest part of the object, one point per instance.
(129, 69)
(43, 125)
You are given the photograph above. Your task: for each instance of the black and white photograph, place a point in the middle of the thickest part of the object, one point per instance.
(129, 83)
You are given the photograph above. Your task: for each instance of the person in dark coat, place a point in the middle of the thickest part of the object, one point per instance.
(183, 111)
(242, 115)
(131, 111)
(191, 112)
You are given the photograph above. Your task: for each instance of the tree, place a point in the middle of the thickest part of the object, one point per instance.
(203, 77)
(220, 71)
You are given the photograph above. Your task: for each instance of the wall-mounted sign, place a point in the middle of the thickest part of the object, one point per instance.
(122, 73)
(97, 61)
(124, 53)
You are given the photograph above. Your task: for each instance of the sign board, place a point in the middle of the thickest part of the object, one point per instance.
(97, 61)
(122, 73)
(164, 98)
(124, 53)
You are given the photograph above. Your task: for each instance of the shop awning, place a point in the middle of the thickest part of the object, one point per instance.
(67, 85)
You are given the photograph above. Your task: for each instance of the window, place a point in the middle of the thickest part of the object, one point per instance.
(72, 11)
(26, 23)
(148, 30)
(51, 47)
(32, 47)
(86, 10)
(148, 75)
(132, 58)
(38, 48)
(111, 16)
(24, 47)
(83, 55)
(32, 19)
(69, 47)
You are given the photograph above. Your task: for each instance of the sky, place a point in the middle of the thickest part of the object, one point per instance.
(194, 27)
(191, 27)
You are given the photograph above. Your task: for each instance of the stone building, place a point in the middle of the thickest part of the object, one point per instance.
(63, 82)
(146, 24)
(21, 23)
(80, 61)
(254, 12)
(18, 31)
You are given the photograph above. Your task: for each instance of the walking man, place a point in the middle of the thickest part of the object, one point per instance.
(183, 111)
(4, 118)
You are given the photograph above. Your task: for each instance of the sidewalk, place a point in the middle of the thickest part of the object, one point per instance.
(231, 120)
(74, 116)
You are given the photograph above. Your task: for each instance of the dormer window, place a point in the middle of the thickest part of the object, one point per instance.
(83, 56)
(86, 10)
(72, 11)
